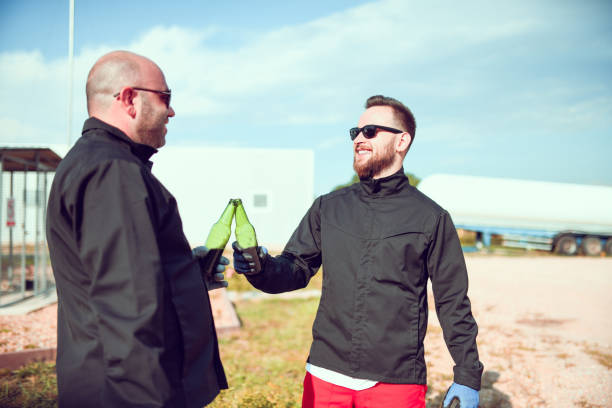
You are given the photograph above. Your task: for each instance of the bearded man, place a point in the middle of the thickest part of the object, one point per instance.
(379, 241)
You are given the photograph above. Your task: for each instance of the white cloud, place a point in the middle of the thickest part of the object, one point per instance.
(573, 116)
(333, 142)
(319, 72)
(340, 53)
(22, 68)
(16, 131)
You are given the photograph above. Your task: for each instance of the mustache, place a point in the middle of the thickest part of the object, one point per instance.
(362, 144)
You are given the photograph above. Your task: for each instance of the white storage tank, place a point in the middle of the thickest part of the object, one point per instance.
(481, 202)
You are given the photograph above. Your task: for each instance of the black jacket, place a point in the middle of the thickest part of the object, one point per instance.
(135, 326)
(378, 242)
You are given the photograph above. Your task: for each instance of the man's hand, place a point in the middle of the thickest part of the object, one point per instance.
(468, 397)
(217, 280)
(244, 261)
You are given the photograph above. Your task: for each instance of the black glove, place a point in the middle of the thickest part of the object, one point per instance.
(249, 261)
(217, 279)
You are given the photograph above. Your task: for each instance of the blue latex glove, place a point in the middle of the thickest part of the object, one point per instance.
(243, 261)
(218, 279)
(468, 397)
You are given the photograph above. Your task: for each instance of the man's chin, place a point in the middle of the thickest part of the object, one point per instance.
(362, 170)
(161, 140)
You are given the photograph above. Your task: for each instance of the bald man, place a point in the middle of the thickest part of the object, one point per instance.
(135, 327)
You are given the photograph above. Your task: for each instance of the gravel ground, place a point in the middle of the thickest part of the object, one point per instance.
(34, 330)
(38, 329)
(545, 331)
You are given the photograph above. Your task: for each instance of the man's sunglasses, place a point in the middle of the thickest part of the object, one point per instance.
(369, 131)
(165, 95)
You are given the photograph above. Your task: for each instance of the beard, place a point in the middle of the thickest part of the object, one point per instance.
(376, 163)
(152, 126)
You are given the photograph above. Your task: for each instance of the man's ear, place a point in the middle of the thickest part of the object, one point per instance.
(126, 98)
(403, 142)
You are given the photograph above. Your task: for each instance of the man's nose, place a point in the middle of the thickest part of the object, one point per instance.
(359, 139)
(171, 112)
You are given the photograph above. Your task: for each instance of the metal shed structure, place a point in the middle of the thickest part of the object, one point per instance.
(24, 185)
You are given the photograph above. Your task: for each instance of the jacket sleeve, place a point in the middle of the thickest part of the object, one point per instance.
(118, 248)
(448, 273)
(299, 261)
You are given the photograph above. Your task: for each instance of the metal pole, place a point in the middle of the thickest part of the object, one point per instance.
(1, 220)
(23, 245)
(37, 231)
(44, 236)
(70, 68)
(10, 265)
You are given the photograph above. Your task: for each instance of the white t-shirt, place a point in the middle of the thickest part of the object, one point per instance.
(342, 380)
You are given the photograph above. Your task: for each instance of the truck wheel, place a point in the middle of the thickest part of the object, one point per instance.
(609, 247)
(566, 245)
(591, 246)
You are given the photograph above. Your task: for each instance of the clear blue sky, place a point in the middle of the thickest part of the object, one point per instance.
(515, 89)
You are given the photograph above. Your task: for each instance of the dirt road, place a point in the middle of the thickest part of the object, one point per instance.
(545, 330)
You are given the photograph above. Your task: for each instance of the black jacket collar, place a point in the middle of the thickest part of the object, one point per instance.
(143, 152)
(385, 185)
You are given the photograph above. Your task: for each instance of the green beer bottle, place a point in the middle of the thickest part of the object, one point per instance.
(221, 230)
(217, 240)
(245, 235)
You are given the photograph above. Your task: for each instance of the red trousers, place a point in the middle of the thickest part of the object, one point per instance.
(321, 394)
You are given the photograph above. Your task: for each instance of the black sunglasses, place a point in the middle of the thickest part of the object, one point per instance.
(165, 95)
(369, 131)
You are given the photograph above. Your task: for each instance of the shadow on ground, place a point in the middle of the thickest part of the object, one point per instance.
(490, 397)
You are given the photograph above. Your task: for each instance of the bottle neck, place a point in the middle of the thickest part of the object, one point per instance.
(228, 214)
(241, 217)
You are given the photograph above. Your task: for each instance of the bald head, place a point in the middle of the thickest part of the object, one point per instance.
(129, 91)
(109, 74)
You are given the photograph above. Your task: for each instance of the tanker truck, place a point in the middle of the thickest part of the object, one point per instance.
(565, 218)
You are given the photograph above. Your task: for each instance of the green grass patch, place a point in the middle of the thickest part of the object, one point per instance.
(33, 386)
(265, 360)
